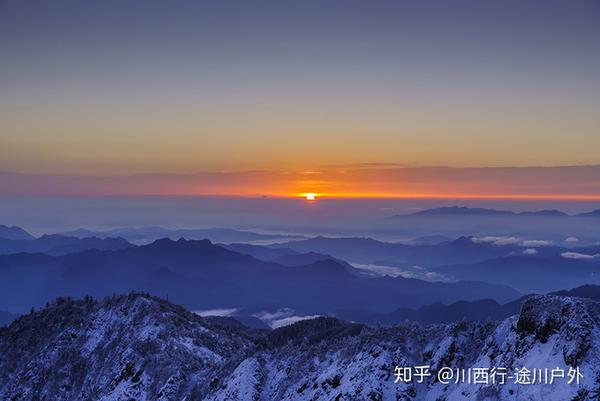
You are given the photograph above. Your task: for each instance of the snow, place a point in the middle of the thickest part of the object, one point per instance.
(148, 350)
(282, 317)
(242, 384)
(202, 352)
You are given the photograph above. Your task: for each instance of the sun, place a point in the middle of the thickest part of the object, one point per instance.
(310, 196)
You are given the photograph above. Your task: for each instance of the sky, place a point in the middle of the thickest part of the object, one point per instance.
(575, 183)
(371, 91)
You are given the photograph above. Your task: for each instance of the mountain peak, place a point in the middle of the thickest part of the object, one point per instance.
(14, 233)
(325, 268)
(117, 346)
(168, 243)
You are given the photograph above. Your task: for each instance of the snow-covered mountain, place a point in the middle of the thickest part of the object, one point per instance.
(138, 347)
(124, 348)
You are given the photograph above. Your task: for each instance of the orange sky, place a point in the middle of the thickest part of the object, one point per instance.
(561, 183)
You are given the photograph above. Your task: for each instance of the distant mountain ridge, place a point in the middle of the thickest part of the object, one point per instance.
(288, 257)
(14, 233)
(589, 291)
(462, 210)
(593, 213)
(61, 245)
(471, 311)
(202, 275)
(539, 274)
(149, 234)
(489, 259)
(368, 250)
(479, 211)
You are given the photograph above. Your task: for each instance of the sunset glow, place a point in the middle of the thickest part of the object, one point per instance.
(580, 183)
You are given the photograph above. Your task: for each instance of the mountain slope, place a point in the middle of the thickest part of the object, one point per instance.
(122, 348)
(344, 362)
(139, 347)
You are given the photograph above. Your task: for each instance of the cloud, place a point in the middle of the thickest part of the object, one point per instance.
(534, 243)
(497, 240)
(571, 240)
(216, 312)
(530, 251)
(579, 256)
(502, 241)
(278, 314)
(275, 324)
(417, 272)
(282, 317)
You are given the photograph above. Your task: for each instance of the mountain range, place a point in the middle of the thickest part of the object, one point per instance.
(528, 265)
(60, 244)
(148, 234)
(368, 250)
(478, 211)
(139, 347)
(202, 275)
(461, 250)
(471, 311)
(230, 275)
(527, 273)
(289, 257)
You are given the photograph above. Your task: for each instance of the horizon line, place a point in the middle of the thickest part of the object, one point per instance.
(325, 197)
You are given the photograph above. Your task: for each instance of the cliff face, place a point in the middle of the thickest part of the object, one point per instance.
(139, 347)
